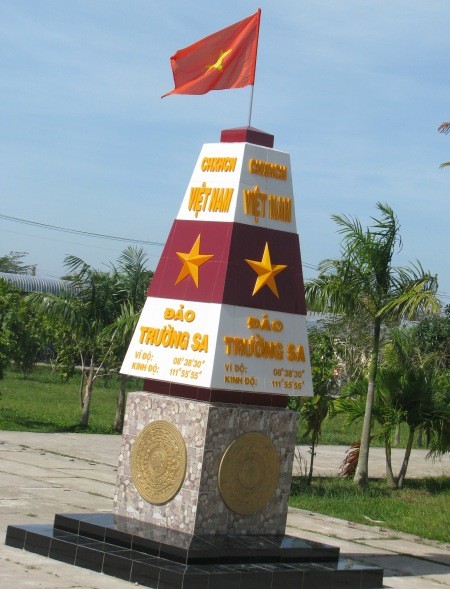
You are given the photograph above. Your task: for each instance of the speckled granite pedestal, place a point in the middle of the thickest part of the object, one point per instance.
(207, 429)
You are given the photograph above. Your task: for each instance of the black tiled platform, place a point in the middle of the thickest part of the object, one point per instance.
(164, 559)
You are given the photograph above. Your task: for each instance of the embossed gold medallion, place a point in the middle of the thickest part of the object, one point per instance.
(249, 473)
(158, 462)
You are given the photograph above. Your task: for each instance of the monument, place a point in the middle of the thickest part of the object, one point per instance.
(222, 341)
(208, 446)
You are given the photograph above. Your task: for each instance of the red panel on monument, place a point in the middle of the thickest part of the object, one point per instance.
(232, 255)
(214, 241)
(252, 244)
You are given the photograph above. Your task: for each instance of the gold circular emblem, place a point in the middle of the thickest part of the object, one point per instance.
(249, 473)
(158, 462)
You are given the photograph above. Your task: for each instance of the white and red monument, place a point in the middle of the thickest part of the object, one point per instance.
(221, 343)
(207, 447)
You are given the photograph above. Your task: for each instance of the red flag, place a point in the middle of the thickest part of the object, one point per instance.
(226, 59)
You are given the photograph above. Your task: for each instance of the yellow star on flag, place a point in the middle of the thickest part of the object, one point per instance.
(266, 272)
(191, 262)
(219, 63)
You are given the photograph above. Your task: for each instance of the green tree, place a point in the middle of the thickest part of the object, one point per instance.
(418, 392)
(30, 333)
(365, 286)
(22, 333)
(13, 263)
(132, 278)
(8, 303)
(433, 338)
(84, 314)
(351, 342)
(314, 410)
(408, 391)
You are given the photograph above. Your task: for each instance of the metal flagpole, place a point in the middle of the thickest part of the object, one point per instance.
(254, 74)
(251, 106)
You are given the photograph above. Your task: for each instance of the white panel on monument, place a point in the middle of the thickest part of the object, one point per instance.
(221, 346)
(226, 305)
(177, 349)
(251, 193)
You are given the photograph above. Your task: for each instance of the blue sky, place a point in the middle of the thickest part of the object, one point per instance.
(353, 90)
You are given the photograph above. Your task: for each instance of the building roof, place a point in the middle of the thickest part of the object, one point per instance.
(27, 283)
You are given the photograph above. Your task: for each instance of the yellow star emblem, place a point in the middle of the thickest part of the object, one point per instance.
(266, 272)
(191, 262)
(219, 63)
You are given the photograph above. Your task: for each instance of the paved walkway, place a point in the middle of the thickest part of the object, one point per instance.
(328, 460)
(44, 474)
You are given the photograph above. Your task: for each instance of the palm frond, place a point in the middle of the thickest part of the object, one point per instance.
(77, 267)
(349, 227)
(351, 408)
(413, 292)
(125, 324)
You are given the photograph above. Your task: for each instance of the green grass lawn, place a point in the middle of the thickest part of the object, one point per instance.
(43, 403)
(421, 508)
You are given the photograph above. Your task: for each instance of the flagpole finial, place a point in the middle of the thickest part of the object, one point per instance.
(247, 135)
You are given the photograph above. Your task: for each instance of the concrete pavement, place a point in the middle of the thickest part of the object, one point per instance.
(328, 460)
(44, 474)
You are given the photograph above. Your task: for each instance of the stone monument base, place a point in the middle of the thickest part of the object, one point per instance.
(161, 558)
(207, 431)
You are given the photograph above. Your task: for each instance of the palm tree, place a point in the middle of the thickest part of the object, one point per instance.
(417, 393)
(364, 285)
(444, 128)
(314, 410)
(133, 276)
(132, 279)
(84, 312)
(98, 317)
(409, 390)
